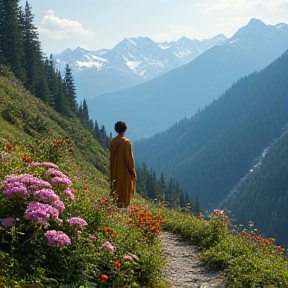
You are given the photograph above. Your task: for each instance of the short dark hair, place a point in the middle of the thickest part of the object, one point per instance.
(120, 127)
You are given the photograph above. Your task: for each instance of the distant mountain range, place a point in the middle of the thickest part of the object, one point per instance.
(130, 62)
(157, 104)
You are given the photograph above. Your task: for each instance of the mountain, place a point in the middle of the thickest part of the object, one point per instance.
(130, 62)
(157, 104)
(210, 152)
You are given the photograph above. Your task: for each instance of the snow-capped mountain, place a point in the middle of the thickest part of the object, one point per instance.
(182, 91)
(130, 62)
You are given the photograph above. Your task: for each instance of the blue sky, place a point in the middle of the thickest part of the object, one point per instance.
(97, 24)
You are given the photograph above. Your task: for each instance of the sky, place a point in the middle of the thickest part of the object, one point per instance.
(98, 24)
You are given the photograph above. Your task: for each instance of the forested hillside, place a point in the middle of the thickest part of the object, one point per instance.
(263, 197)
(213, 150)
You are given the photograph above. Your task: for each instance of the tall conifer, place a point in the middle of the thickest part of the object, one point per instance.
(70, 90)
(11, 40)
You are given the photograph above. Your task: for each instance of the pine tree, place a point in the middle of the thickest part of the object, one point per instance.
(96, 133)
(11, 37)
(52, 79)
(85, 114)
(36, 80)
(61, 103)
(70, 90)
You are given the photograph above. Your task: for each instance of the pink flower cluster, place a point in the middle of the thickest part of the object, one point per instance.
(8, 222)
(92, 237)
(43, 164)
(69, 193)
(130, 258)
(41, 213)
(62, 181)
(22, 184)
(107, 245)
(58, 204)
(47, 195)
(55, 172)
(77, 222)
(57, 238)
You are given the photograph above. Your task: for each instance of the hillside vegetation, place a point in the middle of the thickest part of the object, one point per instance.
(34, 135)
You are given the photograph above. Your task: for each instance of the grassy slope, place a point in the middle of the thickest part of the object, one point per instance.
(30, 119)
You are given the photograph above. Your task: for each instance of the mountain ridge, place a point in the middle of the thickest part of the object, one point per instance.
(191, 86)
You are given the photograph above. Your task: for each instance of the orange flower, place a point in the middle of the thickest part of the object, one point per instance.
(10, 146)
(117, 264)
(105, 228)
(26, 158)
(57, 142)
(200, 216)
(148, 215)
(103, 278)
(159, 217)
(113, 235)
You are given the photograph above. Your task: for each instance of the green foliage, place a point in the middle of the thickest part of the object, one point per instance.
(245, 257)
(25, 256)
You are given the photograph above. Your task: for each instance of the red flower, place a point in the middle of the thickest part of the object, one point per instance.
(117, 264)
(103, 278)
(26, 158)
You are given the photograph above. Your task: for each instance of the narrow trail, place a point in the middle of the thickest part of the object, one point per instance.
(183, 268)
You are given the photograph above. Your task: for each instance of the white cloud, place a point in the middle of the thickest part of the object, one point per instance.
(241, 7)
(58, 29)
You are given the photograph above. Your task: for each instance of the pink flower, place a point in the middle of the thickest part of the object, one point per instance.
(107, 245)
(43, 164)
(57, 238)
(58, 204)
(41, 213)
(62, 181)
(8, 222)
(128, 258)
(69, 194)
(92, 237)
(55, 172)
(47, 195)
(77, 222)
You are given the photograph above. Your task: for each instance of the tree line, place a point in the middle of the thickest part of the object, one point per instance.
(20, 50)
(158, 190)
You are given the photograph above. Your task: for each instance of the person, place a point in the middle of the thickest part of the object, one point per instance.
(122, 167)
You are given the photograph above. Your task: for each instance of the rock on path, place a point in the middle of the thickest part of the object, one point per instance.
(183, 268)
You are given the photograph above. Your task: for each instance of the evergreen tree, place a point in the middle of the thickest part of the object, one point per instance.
(70, 90)
(11, 37)
(61, 102)
(52, 79)
(85, 114)
(36, 80)
(90, 126)
(96, 133)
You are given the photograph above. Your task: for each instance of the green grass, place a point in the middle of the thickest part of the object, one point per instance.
(245, 258)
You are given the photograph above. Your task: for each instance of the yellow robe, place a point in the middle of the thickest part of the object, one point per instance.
(122, 169)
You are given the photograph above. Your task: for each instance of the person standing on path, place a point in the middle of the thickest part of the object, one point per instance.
(122, 168)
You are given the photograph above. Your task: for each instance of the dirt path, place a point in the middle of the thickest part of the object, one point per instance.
(183, 268)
